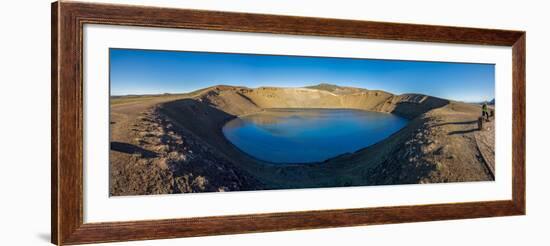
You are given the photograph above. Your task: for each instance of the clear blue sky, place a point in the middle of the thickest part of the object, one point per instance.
(156, 72)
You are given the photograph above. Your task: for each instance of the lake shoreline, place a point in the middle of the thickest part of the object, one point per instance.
(294, 135)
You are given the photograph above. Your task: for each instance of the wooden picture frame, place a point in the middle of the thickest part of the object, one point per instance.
(68, 19)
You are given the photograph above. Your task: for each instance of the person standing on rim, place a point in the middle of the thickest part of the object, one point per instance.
(485, 111)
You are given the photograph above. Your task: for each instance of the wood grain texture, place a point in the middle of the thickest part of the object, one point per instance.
(68, 137)
(518, 123)
(68, 19)
(147, 230)
(54, 125)
(260, 23)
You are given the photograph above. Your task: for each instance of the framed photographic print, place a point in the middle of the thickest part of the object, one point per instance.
(176, 123)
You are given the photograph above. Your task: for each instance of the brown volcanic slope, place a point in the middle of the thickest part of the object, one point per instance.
(187, 151)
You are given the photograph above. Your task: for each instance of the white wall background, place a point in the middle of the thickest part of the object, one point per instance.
(25, 121)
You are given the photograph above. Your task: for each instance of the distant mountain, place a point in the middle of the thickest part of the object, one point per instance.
(336, 89)
(492, 102)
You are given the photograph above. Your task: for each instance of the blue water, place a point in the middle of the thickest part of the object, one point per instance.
(309, 135)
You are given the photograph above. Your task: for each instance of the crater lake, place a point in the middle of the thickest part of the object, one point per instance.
(309, 135)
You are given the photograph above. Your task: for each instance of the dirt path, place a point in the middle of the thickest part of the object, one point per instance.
(458, 156)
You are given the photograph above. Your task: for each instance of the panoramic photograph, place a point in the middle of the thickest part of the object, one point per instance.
(193, 122)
